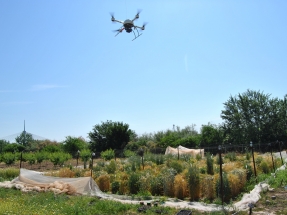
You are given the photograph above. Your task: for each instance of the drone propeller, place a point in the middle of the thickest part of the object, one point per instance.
(119, 30)
(138, 14)
(113, 18)
(143, 27)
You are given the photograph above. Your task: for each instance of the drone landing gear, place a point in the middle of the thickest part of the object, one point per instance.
(136, 36)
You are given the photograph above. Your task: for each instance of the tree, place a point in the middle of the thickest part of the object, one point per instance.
(114, 135)
(3, 143)
(72, 144)
(254, 116)
(211, 134)
(24, 139)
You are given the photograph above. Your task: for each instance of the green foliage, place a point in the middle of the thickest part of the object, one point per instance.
(155, 158)
(13, 147)
(115, 186)
(264, 167)
(176, 166)
(30, 158)
(231, 156)
(115, 135)
(211, 134)
(8, 158)
(59, 158)
(108, 154)
(133, 184)
(254, 116)
(85, 156)
(225, 188)
(156, 185)
(72, 144)
(25, 139)
(9, 173)
(193, 182)
(3, 143)
(128, 153)
(209, 164)
(111, 167)
(41, 156)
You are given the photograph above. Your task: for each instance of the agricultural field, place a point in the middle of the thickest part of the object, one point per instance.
(152, 177)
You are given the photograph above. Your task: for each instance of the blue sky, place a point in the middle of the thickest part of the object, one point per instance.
(63, 71)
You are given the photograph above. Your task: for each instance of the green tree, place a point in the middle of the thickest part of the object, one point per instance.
(114, 135)
(24, 139)
(254, 116)
(73, 144)
(211, 134)
(3, 143)
(13, 147)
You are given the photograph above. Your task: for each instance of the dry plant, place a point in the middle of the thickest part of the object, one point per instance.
(103, 182)
(180, 187)
(66, 173)
(207, 187)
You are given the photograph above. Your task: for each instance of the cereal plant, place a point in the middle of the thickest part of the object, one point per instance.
(193, 182)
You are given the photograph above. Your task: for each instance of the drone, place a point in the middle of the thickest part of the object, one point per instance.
(129, 26)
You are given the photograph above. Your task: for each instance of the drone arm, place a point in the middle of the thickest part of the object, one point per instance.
(142, 28)
(118, 21)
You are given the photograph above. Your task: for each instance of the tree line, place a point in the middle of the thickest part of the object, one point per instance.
(252, 116)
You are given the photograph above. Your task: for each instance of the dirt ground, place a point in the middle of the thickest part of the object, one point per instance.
(272, 202)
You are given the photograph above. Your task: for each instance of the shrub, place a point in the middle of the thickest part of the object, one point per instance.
(225, 187)
(209, 164)
(168, 181)
(193, 182)
(177, 166)
(111, 167)
(31, 158)
(198, 157)
(115, 187)
(231, 156)
(8, 158)
(103, 182)
(180, 187)
(85, 155)
(264, 167)
(66, 173)
(108, 154)
(9, 173)
(128, 153)
(133, 184)
(59, 158)
(207, 188)
(40, 157)
(156, 185)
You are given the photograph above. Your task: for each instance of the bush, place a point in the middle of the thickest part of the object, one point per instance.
(193, 182)
(133, 184)
(180, 187)
(168, 181)
(231, 156)
(207, 188)
(111, 167)
(108, 154)
(128, 153)
(9, 173)
(85, 155)
(209, 164)
(103, 182)
(156, 185)
(225, 187)
(31, 158)
(9, 158)
(264, 167)
(59, 158)
(115, 187)
(177, 166)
